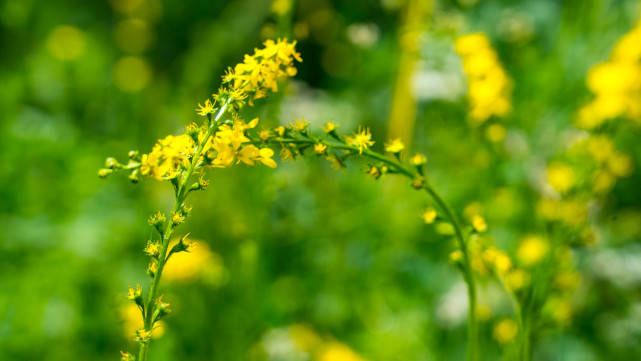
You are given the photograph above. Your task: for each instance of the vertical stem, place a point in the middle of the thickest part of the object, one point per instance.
(468, 276)
(181, 195)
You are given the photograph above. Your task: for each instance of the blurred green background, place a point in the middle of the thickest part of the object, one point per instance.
(301, 255)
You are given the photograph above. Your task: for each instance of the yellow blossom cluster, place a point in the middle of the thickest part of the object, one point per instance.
(172, 154)
(616, 84)
(260, 72)
(489, 86)
(361, 139)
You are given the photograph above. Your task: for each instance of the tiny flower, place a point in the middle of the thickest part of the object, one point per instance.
(374, 172)
(152, 268)
(395, 146)
(418, 183)
(478, 223)
(329, 127)
(152, 249)
(299, 125)
(161, 310)
(143, 336)
(177, 218)
(320, 148)
(280, 130)
(208, 108)
(157, 219)
(429, 215)
(361, 139)
(264, 135)
(134, 294)
(104, 172)
(266, 155)
(418, 159)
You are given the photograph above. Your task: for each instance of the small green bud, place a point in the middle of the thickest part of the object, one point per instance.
(161, 310)
(133, 154)
(135, 176)
(104, 172)
(112, 163)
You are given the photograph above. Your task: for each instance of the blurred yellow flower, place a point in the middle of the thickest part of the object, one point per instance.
(320, 148)
(517, 279)
(560, 176)
(329, 127)
(531, 250)
(429, 215)
(133, 35)
(478, 223)
(66, 42)
(131, 73)
(198, 263)
(489, 86)
(335, 351)
(505, 331)
(418, 159)
(132, 321)
(395, 146)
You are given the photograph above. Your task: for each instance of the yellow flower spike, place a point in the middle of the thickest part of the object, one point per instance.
(505, 331)
(429, 215)
(532, 250)
(329, 127)
(320, 148)
(395, 146)
(361, 139)
(418, 159)
(208, 108)
(479, 224)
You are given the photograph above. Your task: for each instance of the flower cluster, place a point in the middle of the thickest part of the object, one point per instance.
(259, 73)
(616, 84)
(488, 84)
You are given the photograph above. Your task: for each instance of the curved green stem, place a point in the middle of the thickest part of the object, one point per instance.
(181, 195)
(468, 274)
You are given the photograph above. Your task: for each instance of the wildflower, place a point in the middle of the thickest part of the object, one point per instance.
(157, 220)
(329, 127)
(168, 157)
(418, 159)
(505, 331)
(517, 279)
(266, 155)
(152, 248)
(299, 125)
(488, 84)
(395, 146)
(429, 215)
(208, 108)
(478, 223)
(260, 72)
(143, 335)
(280, 130)
(134, 294)
(264, 135)
(532, 250)
(177, 218)
(320, 148)
(560, 176)
(362, 139)
(152, 268)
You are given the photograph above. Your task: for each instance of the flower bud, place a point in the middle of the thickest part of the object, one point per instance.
(112, 163)
(104, 172)
(418, 183)
(157, 220)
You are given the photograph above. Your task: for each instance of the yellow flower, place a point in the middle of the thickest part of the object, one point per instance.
(320, 148)
(429, 215)
(208, 108)
(532, 250)
(338, 352)
(418, 159)
(478, 223)
(168, 157)
(260, 72)
(362, 139)
(132, 293)
(395, 146)
(517, 279)
(299, 125)
(505, 331)
(280, 130)
(265, 156)
(199, 263)
(560, 176)
(329, 127)
(152, 248)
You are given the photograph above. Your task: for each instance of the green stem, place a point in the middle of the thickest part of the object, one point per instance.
(468, 274)
(181, 195)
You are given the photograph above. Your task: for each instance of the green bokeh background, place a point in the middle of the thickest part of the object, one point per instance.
(303, 244)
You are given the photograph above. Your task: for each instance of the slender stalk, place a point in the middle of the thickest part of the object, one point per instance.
(181, 195)
(468, 274)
